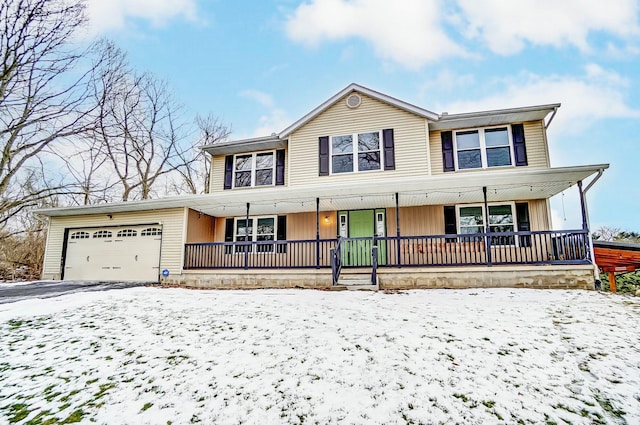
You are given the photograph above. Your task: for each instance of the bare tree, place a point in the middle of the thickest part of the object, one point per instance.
(139, 125)
(43, 94)
(195, 169)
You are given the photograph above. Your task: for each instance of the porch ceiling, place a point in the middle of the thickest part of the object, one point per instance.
(459, 188)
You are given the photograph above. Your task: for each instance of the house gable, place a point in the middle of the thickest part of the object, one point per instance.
(371, 115)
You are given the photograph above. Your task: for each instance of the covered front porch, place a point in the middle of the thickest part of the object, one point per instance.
(404, 225)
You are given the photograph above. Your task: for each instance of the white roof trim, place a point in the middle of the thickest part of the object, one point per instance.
(245, 145)
(366, 91)
(447, 188)
(493, 117)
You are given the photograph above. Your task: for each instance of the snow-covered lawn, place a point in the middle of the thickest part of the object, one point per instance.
(152, 355)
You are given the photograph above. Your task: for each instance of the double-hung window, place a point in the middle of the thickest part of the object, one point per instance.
(254, 169)
(483, 148)
(356, 152)
(257, 229)
(501, 219)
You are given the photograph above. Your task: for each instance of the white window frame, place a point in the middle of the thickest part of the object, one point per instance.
(485, 218)
(354, 152)
(483, 147)
(254, 170)
(254, 235)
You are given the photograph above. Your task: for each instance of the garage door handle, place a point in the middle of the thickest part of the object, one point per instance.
(136, 258)
(87, 258)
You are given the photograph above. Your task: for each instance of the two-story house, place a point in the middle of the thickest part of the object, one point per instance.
(364, 189)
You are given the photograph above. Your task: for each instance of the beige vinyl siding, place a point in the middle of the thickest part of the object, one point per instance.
(172, 235)
(372, 115)
(539, 215)
(200, 227)
(534, 135)
(537, 149)
(216, 184)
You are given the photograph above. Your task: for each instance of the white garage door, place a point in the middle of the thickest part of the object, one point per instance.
(128, 253)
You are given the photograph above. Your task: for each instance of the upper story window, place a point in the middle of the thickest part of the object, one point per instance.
(254, 169)
(483, 148)
(356, 152)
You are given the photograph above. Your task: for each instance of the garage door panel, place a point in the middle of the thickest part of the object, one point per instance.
(113, 254)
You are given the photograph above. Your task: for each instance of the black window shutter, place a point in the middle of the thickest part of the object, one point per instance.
(323, 155)
(228, 235)
(389, 154)
(280, 167)
(519, 148)
(450, 222)
(228, 171)
(282, 234)
(447, 151)
(524, 224)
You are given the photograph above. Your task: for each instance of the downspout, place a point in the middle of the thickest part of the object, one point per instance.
(317, 233)
(583, 199)
(398, 255)
(246, 240)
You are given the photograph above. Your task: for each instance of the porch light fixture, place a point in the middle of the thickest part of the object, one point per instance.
(327, 219)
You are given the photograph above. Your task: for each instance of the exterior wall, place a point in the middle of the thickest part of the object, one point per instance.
(173, 235)
(303, 225)
(217, 174)
(410, 137)
(540, 277)
(200, 227)
(536, 143)
(300, 226)
(414, 221)
(417, 221)
(539, 215)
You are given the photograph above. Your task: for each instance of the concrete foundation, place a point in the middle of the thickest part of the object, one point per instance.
(543, 277)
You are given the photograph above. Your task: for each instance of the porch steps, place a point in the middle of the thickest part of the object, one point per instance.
(355, 282)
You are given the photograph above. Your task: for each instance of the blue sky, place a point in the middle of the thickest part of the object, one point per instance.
(260, 65)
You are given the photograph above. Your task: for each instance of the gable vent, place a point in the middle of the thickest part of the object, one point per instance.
(353, 101)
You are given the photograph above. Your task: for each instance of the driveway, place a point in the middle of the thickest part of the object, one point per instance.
(11, 292)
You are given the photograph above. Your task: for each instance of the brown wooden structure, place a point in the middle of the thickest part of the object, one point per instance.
(616, 257)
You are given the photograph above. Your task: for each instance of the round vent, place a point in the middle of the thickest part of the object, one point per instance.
(353, 101)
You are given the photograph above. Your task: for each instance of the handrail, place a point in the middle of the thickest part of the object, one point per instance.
(336, 262)
(531, 247)
(374, 264)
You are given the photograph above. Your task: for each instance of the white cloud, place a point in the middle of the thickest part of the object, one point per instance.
(408, 32)
(412, 32)
(506, 26)
(274, 120)
(108, 15)
(595, 95)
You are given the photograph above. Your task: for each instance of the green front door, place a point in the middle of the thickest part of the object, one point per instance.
(363, 225)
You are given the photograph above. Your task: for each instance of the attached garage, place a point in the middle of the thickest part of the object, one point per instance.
(124, 253)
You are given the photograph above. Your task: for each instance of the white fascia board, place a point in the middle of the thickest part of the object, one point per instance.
(493, 117)
(302, 198)
(245, 145)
